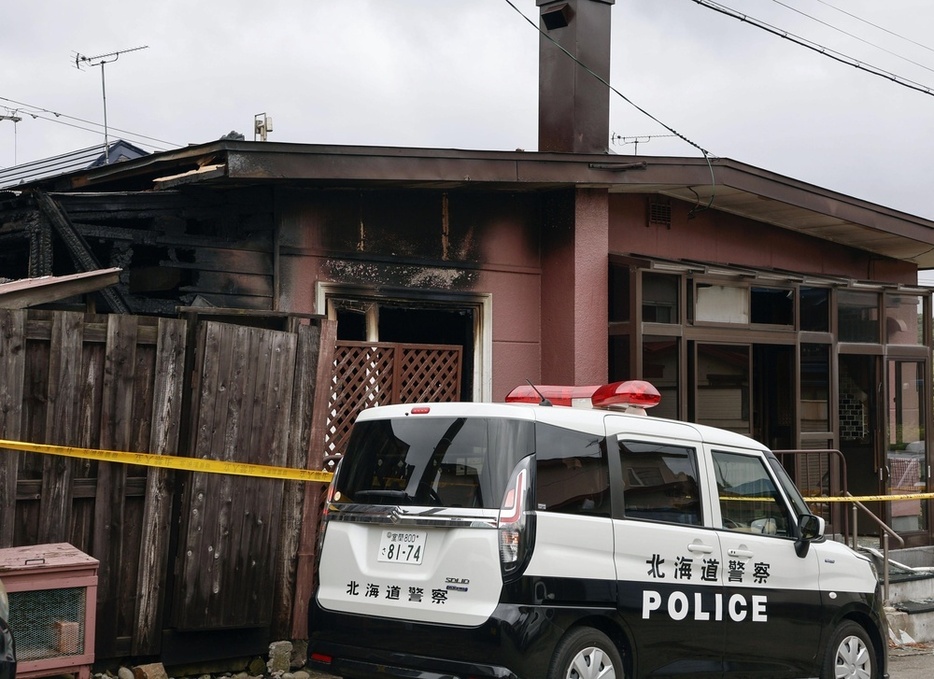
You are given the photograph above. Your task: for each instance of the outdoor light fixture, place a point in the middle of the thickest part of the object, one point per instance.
(557, 17)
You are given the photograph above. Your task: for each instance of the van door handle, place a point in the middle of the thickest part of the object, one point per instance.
(744, 553)
(700, 548)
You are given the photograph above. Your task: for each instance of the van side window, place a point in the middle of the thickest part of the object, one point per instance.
(572, 475)
(749, 499)
(660, 482)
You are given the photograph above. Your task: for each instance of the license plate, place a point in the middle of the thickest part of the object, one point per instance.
(402, 546)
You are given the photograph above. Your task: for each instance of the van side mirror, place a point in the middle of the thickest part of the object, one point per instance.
(810, 528)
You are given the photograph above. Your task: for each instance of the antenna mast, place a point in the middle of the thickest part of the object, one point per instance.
(100, 60)
(14, 119)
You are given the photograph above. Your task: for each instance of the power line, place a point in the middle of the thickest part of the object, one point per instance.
(35, 108)
(851, 35)
(816, 47)
(876, 26)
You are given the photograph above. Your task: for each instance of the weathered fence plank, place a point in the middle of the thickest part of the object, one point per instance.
(12, 371)
(110, 527)
(157, 515)
(321, 398)
(63, 390)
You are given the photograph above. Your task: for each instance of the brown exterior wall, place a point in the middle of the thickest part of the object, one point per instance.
(423, 242)
(716, 237)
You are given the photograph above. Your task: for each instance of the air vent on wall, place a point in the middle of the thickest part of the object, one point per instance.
(659, 212)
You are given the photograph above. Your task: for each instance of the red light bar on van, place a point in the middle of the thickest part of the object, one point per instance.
(636, 393)
(556, 395)
(629, 394)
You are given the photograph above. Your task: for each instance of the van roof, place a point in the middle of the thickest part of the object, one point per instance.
(593, 420)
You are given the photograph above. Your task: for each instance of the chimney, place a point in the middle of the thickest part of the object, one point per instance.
(573, 106)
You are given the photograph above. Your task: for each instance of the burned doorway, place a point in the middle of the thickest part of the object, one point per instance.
(409, 322)
(402, 349)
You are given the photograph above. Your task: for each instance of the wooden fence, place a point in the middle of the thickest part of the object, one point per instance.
(179, 552)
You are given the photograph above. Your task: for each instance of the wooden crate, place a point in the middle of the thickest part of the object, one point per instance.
(53, 595)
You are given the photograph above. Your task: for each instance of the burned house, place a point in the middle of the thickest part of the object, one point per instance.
(753, 301)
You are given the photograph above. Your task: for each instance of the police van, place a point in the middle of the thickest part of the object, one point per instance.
(532, 540)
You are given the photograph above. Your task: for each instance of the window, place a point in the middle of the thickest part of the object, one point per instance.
(815, 309)
(815, 388)
(858, 314)
(660, 482)
(722, 304)
(572, 475)
(904, 319)
(773, 306)
(660, 298)
(749, 499)
(435, 461)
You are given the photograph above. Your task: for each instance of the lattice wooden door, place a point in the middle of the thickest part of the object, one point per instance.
(368, 374)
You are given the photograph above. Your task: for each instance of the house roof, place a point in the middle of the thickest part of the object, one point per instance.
(82, 159)
(726, 185)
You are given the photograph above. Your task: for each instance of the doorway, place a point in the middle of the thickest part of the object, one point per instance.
(858, 389)
(905, 452)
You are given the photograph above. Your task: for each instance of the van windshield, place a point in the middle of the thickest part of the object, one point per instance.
(433, 461)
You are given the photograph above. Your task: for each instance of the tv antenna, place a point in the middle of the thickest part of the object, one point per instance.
(635, 141)
(13, 118)
(101, 60)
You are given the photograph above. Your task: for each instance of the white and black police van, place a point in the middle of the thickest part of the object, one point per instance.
(518, 540)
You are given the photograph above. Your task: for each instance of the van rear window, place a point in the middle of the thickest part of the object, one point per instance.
(433, 461)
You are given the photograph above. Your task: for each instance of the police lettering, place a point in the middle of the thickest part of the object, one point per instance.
(681, 606)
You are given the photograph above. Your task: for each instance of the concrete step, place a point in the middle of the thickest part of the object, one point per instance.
(910, 609)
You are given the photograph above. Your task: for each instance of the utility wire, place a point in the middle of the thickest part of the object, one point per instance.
(33, 114)
(869, 23)
(622, 96)
(851, 35)
(820, 49)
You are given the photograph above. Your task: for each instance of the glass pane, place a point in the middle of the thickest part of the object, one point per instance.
(619, 293)
(906, 451)
(619, 358)
(904, 319)
(722, 304)
(858, 316)
(723, 387)
(773, 306)
(749, 500)
(572, 475)
(660, 482)
(660, 367)
(815, 309)
(660, 298)
(435, 461)
(815, 387)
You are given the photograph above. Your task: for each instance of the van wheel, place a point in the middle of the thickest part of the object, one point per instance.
(850, 654)
(586, 653)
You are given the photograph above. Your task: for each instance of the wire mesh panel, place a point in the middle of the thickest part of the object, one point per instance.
(48, 623)
(368, 374)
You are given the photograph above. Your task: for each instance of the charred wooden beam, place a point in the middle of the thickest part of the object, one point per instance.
(78, 248)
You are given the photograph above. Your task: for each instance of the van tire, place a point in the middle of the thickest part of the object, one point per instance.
(586, 653)
(851, 648)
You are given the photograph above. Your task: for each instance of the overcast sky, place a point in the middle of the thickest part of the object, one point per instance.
(463, 74)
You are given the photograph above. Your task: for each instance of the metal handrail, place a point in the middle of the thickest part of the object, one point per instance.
(886, 532)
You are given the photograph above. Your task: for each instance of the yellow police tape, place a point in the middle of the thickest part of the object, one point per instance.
(192, 464)
(195, 464)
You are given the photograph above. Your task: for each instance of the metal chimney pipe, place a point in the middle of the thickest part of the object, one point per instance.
(573, 105)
